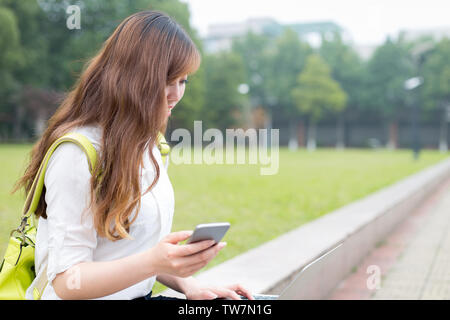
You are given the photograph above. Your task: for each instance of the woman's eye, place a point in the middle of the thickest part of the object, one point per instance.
(184, 81)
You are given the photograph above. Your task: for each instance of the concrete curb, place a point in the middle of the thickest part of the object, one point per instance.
(360, 225)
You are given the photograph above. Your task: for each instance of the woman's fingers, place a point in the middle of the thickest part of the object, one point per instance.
(193, 248)
(226, 293)
(242, 291)
(183, 260)
(204, 256)
(234, 291)
(188, 265)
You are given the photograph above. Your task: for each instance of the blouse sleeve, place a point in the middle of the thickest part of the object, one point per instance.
(72, 237)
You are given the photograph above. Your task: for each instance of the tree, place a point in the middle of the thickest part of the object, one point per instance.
(224, 72)
(388, 68)
(317, 93)
(10, 59)
(254, 51)
(347, 69)
(16, 58)
(436, 90)
(52, 56)
(287, 62)
(9, 43)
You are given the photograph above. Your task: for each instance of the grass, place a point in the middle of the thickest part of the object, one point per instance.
(259, 208)
(12, 165)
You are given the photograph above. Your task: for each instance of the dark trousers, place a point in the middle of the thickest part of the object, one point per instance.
(149, 297)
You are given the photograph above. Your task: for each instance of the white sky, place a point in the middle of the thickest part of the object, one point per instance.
(367, 21)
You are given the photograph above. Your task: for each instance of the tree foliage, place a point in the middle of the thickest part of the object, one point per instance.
(254, 49)
(389, 67)
(287, 62)
(317, 92)
(224, 73)
(347, 68)
(436, 73)
(40, 60)
(41, 53)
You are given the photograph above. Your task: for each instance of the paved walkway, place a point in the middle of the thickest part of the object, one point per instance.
(413, 263)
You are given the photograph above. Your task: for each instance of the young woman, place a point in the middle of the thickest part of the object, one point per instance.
(107, 235)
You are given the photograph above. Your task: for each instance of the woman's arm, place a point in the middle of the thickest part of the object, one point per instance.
(89, 280)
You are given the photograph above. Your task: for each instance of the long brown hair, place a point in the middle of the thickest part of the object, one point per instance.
(122, 90)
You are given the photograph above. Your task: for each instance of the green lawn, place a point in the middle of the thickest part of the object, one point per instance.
(258, 207)
(12, 165)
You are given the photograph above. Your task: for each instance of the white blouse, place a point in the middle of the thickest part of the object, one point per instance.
(68, 237)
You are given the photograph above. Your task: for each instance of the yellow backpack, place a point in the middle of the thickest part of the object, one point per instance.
(17, 268)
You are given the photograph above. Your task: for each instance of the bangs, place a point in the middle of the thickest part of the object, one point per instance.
(185, 58)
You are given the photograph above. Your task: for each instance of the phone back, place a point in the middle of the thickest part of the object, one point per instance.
(210, 231)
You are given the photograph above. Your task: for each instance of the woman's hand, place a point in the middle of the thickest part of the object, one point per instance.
(198, 292)
(167, 257)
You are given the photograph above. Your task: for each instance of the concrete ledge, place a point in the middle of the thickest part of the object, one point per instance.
(360, 225)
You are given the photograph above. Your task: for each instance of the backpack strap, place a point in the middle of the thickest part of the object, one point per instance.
(35, 192)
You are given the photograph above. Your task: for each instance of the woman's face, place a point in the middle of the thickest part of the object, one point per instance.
(174, 92)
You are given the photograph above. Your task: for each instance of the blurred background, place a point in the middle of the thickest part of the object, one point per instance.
(333, 76)
(360, 83)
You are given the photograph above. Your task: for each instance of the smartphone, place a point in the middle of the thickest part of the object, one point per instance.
(209, 231)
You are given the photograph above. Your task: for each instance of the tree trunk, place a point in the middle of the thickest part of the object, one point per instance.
(17, 125)
(392, 140)
(340, 132)
(443, 146)
(311, 144)
(293, 142)
(268, 126)
(301, 133)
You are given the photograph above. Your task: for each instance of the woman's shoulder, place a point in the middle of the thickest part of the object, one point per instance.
(92, 132)
(70, 156)
(68, 165)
